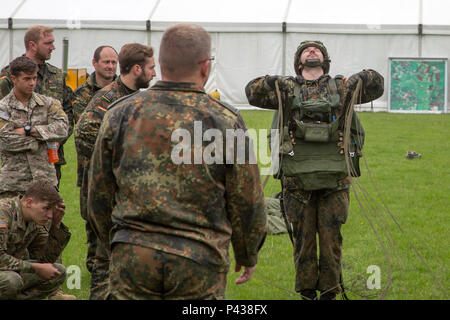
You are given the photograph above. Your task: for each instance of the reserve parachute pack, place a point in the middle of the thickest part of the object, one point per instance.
(312, 144)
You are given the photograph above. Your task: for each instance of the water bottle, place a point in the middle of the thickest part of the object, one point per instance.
(52, 150)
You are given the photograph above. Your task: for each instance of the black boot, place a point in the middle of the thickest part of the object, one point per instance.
(308, 294)
(328, 296)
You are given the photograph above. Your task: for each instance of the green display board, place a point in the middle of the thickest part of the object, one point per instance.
(418, 85)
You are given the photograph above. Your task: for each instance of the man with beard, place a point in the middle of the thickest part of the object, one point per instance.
(137, 69)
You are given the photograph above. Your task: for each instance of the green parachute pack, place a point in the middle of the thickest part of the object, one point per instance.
(312, 150)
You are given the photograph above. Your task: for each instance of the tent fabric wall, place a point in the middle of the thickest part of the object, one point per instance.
(250, 38)
(346, 50)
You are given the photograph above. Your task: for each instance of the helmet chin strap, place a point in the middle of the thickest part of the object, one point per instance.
(312, 63)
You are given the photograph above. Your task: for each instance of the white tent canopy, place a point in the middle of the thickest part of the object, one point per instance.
(250, 37)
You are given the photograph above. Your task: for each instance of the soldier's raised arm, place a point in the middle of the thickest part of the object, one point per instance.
(372, 85)
(261, 92)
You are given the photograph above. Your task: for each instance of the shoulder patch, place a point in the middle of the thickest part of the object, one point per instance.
(4, 115)
(3, 224)
(121, 99)
(108, 96)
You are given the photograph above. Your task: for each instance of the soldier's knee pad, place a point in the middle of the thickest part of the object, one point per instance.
(11, 283)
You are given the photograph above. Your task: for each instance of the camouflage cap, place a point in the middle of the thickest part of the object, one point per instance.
(312, 43)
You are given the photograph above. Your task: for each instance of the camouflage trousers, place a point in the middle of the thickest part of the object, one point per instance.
(58, 174)
(90, 235)
(100, 273)
(97, 259)
(313, 213)
(29, 286)
(144, 273)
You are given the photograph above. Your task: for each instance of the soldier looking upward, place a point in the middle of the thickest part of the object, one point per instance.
(314, 175)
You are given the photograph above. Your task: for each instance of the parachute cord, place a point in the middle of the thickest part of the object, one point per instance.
(280, 124)
(348, 121)
(280, 131)
(394, 219)
(347, 142)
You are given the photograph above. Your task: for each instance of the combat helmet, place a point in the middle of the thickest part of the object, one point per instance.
(312, 43)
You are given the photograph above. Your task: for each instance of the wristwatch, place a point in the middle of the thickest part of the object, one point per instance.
(27, 129)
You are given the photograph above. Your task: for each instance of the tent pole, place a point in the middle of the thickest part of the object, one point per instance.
(149, 33)
(149, 25)
(283, 56)
(11, 38)
(11, 31)
(284, 28)
(420, 28)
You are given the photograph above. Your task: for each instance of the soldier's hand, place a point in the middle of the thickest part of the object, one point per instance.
(58, 213)
(246, 274)
(283, 82)
(353, 80)
(46, 271)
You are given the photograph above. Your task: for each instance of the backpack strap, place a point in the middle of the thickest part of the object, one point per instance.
(333, 96)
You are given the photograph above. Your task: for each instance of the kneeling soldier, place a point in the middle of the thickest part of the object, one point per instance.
(32, 236)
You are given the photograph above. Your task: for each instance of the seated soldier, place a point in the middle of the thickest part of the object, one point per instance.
(32, 236)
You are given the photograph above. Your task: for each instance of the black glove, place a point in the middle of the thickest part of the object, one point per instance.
(283, 82)
(353, 80)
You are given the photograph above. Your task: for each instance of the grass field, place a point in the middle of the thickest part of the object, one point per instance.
(411, 250)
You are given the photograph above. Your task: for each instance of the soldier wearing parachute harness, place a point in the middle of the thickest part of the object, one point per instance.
(313, 170)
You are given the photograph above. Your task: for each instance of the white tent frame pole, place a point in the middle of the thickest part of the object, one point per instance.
(149, 23)
(284, 30)
(420, 29)
(149, 32)
(11, 39)
(11, 30)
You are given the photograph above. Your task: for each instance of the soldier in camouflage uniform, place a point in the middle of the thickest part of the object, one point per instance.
(171, 222)
(28, 121)
(50, 79)
(315, 202)
(105, 65)
(137, 69)
(28, 249)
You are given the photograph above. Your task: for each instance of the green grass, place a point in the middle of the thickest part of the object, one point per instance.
(416, 192)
